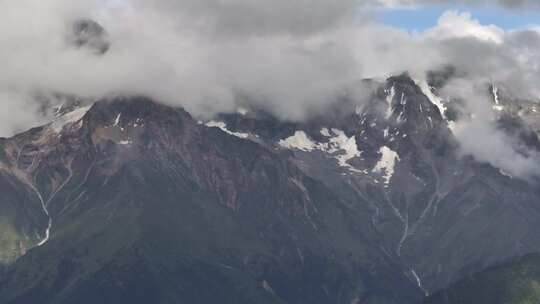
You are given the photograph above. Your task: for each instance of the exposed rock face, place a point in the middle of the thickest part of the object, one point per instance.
(91, 35)
(148, 206)
(430, 205)
(366, 204)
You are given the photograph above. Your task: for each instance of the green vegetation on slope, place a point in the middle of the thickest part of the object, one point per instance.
(12, 243)
(514, 282)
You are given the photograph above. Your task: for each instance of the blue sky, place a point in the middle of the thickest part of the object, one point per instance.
(425, 17)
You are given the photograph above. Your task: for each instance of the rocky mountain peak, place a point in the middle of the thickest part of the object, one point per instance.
(392, 165)
(87, 33)
(409, 104)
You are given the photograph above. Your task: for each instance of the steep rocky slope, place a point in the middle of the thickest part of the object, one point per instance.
(129, 200)
(134, 202)
(444, 215)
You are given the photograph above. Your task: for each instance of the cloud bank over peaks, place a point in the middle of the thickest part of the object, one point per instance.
(513, 4)
(481, 137)
(293, 58)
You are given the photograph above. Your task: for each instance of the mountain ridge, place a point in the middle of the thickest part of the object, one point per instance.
(186, 166)
(367, 205)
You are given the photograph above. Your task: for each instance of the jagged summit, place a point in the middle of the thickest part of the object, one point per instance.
(398, 156)
(88, 34)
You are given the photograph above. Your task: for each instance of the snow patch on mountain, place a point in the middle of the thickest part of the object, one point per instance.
(138, 123)
(495, 91)
(298, 141)
(386, 132)
(387, 163)
(69, 118)
(345, 147)
(325, 132)
(58, 110)
(389, 99)
(436, 100)
(221, 125)
(339, 145)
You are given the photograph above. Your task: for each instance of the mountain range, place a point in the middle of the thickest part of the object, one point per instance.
(126, 200)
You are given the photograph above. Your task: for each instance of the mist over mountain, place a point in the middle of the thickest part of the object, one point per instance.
(266, 152)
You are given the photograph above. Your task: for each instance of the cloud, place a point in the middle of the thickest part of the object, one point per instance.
(514, 4)
(183, 52)
(18, 112)
(255, 16)
(480, 136)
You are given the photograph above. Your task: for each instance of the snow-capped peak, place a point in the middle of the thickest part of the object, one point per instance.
(117, 120)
